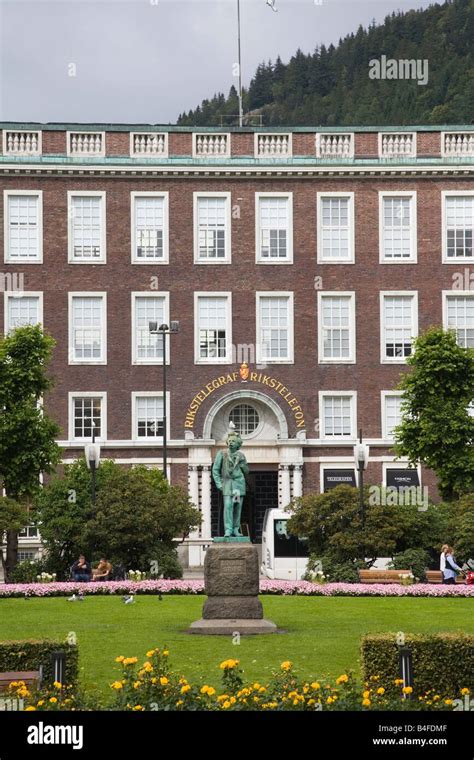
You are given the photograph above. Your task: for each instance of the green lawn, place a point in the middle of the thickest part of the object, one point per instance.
(322, 633)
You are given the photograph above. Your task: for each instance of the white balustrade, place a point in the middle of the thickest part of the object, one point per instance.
(86, 143)
(273, 146)
(211, 145)
(397, 145)
(334, 145)
(149, 144)
(458, 144)
(21, 143)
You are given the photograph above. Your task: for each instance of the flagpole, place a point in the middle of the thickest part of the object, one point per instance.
(241, 110)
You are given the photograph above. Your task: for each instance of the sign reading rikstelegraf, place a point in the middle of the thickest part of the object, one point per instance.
(244, 375)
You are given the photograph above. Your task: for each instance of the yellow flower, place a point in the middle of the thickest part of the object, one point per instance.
(30, 708)
(286, 665)
(53, 700)
(116, 685)
(179, 703)
(261, 690)
(129, 661)
(398, 681)
(465, 691)
(163, 680)
(154, 679)
(204, 689)
(185, 689)
(315, 685)
(366, 702)
(375, 678)
(448, 701)
(211, 691)
(228, 664)
(137, 685)
(342, 679)
(226, 704)
(366, 694)
(148, 654)
(138, 707)
(57, 685)
(41, 703)
(329, 701)
(381, 690)
(256, 686)
(120, 659)
(233, 700)
(165, 653)
(182, 680)
(147, 666)
(222, 697)
(407, 689)
(311, 702)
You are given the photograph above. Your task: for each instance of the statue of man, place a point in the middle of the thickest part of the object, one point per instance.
(229, 470)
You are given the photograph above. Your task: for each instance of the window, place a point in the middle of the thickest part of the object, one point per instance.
(245, 418)
(148, 307)
(148, 413)
(459, 316)
(274, 228)
(26, 309)
(23, 233)
(86, 408)
(87, 227)
(397, 227)
(149, 228)
(87, 338)
(275, 328)
(335, 228)
(458, 226)
(212, 228)
(399, 325)
(391, 412)
(213, 328)
(26, 556)
(30, 532)
(337, 414)
(336, 327)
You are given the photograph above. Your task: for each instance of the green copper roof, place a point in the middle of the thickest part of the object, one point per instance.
(173, 128)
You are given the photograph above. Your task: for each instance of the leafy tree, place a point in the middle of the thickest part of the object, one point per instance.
(13, 517)
(27, 434)
(436, 428)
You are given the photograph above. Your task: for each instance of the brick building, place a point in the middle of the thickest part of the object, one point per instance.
(314, 256)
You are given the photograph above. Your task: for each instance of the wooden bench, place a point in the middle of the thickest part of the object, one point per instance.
(434, 576)
(30, 677)
(382, 576)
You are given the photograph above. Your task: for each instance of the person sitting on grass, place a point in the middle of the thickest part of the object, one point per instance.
(81, 570)
(102, 571)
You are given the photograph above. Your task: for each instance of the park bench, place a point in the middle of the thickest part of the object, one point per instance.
(382, 576)
(434, 576)
(30, 677)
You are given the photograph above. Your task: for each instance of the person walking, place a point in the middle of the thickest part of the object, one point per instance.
(451, 569)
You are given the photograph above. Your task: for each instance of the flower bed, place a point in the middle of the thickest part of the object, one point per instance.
(285, 588)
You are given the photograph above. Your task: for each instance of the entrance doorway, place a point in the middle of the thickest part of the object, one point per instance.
(262, 494)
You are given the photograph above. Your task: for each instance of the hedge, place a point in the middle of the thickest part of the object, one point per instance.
(30, 654)
(443, 661)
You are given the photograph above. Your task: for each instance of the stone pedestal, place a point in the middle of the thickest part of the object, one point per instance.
(231, 580)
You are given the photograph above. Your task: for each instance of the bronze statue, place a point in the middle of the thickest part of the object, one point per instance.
(229, 470)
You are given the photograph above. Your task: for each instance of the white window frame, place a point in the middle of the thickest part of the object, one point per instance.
(148, 394)
(413, 258)
(6, 227)
(289, 241)
(394, 293)
(260, 359)
(9, 294)
(402, 464)
(103, 236)
(383, 396)
(103, 414)
(322, 432)
(337, 464)
(453, 294)
(213, 294)
(351, 359)
(228, 228)
(319, 231)
(164, 195)
(88, 294)
(444, 246)
(137, 294)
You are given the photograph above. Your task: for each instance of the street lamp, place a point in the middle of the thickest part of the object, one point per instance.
(164, 330)
(361, 456)
(92, 452)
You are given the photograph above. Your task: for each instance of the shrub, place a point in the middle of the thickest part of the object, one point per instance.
(31, 654)
(416, 560)
(27, 571)
(443, 661)
(334, 570)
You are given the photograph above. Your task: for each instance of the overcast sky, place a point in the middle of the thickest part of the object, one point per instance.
(146, 61)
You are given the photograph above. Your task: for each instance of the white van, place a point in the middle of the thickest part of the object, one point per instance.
(284, 557)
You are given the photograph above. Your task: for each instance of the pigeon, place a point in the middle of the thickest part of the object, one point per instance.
(128, 599)
(72, 598)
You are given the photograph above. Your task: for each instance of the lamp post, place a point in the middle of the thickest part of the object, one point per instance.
(361, 457)
(92, 453)
(164, 330)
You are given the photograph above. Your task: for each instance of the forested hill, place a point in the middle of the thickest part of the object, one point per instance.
(332, 86)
